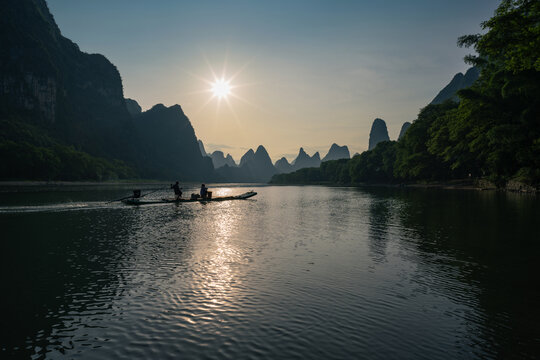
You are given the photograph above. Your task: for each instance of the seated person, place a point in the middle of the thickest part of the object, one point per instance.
(204, 191)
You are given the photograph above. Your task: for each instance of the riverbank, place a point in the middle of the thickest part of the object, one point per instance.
(80, 183)
(477, 184)
(460, 184)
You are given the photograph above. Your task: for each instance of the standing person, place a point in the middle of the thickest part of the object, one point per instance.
(177, 190)
(204, 191)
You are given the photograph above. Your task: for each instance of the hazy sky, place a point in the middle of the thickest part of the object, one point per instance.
(308, 73)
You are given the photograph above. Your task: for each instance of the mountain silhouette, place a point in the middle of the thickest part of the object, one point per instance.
(303, 160)
(458, 82)
(247, 157)
(133, 107)
(337, 152)
(404, 128)
(172, 150)
(378, 133)
(219, 159)
(283, 166)
(255, 166)
(201, 148)
(229, 160)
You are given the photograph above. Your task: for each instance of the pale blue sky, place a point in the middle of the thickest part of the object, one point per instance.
(311, 72)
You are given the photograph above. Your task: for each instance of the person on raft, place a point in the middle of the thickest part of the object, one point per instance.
(204, 191)
(177, 190)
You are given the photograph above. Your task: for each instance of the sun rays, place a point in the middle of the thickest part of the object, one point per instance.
(222, 87)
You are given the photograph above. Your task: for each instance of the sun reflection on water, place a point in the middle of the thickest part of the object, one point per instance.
(219, 285)
(222, 192)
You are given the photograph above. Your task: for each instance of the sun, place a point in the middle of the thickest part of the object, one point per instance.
(221, 88)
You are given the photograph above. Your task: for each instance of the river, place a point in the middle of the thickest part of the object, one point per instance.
(307, 272)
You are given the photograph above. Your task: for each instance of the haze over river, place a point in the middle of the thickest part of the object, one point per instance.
(295, 272)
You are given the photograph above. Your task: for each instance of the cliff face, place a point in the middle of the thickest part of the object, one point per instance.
(378, 133)
(171, 147)
(70, 97)
(47, 81)
(35, 94)
(458, 82)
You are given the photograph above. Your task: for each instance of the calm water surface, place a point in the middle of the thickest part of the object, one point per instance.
(296, 272)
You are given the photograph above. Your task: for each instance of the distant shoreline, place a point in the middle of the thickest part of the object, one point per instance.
(477, 185)
(84, 183)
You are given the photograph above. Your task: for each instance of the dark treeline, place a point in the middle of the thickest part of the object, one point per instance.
(28, 153)
(58, 162)
(492, 133)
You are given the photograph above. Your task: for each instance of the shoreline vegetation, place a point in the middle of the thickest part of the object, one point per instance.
(458, 184)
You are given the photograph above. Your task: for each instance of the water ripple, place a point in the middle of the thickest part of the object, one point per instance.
(308, 272)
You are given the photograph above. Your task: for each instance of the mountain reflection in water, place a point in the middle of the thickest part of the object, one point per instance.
(296, 272)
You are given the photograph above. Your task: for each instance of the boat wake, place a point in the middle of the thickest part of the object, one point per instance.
(61, 207)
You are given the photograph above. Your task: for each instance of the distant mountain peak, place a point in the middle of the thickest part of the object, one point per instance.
(177, 107)
(404, 128)
(261, 149)
(250, 154)
(301, 155)
(304, 160)
(458, 82)
(378, 133)
(173, 109)
(219, 160)
(283, 160)
(158, 107)
(337, 152)
(283, 166)
(261, 156)
(254, 166)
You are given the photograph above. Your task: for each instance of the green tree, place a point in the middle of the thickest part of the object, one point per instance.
(503, 109)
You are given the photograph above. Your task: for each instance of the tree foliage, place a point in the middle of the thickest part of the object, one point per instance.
(28, 153)
(24, 161)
